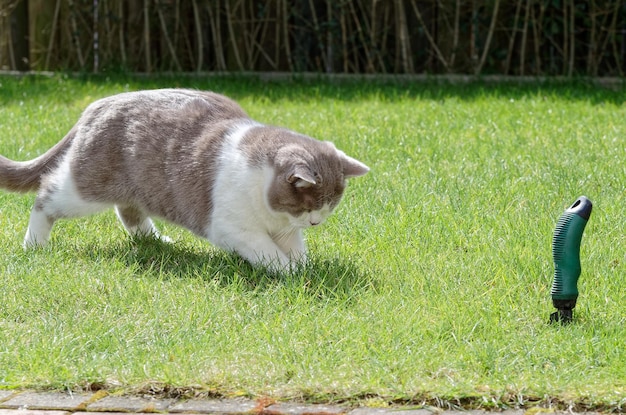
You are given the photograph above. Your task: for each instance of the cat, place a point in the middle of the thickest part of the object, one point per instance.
(193, 158)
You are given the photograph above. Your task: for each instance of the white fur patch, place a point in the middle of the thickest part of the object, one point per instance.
(66, 200)
(63, 202)
(38, 231)
(234, 137)
(241, 220)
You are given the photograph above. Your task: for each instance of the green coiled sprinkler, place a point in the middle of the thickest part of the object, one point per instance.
(566, 253)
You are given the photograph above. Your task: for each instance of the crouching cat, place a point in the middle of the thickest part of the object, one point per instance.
(195, 159)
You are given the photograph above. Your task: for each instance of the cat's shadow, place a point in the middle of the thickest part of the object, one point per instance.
(322, 278)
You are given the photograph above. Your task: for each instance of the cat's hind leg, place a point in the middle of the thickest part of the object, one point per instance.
(57, 199)
(39, 227)
(137, 223)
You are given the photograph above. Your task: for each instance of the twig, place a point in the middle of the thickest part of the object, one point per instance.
(76, 41)
(432, 42)
(167, 38)
(231, 32)
(319, 40)
(344, 40)
(252, 27)
(107, 33)
(386, 17)
(537, 30)
(96, 40)
(565, 37)
(372, 31)
(611, 29)
(455, 41)
(489, 36)
(572, 49)
(286, 34)
(264, 27)
(217, 37)
(402, 36)
(370, 65)
(246, 35)
(524, 36)
(55, 20)
(196, 15)
(277, 32)
(267, 57)
(10, 41)
(329, 38)
(472, 34)
(121, 33)
(176, 21)
(250, 34)
(375, 44)
(187, 42)
(591, 55)
(3, 36)
(146, 34)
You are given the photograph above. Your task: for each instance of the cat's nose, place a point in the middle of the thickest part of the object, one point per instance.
(315, 218)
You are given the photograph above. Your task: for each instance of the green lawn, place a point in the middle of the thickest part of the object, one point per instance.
(430, 284)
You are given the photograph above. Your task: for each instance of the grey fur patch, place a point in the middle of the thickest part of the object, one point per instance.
(156, 150)
(291, 154)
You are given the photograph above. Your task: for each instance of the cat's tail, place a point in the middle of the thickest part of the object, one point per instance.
(25, 176)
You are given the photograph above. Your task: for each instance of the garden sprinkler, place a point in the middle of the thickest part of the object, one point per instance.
(566, 253)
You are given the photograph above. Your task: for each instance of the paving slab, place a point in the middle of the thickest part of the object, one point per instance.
(48, 401)
(215, 406)
(484, 412)
(301, 409)
(126, 404)
(31, 412)
(390, 411)
(515, 411)
(4, 395)
(110, 413)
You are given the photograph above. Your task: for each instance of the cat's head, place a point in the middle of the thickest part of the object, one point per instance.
(309, 180)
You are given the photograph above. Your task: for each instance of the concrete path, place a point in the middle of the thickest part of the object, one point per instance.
(95, 403)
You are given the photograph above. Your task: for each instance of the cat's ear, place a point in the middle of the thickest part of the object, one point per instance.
(352, 167)
(301, 176)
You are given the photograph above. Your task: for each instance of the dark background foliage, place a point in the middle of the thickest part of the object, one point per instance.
(521, 37)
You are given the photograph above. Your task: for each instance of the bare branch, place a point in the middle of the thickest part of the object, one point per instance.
(196, 16)
(489, 36)
(524, 37)
(146, 34)
(55, 20)
(74, 34)
(432, 42)
(231, 32)
(509, 55)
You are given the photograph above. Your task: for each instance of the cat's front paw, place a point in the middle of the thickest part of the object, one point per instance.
(289, 264)
(32, 240)
(164, 238)
(29, 244)
(277, 263)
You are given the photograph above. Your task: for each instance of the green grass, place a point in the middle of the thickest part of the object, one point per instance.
(430, 284)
